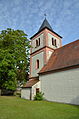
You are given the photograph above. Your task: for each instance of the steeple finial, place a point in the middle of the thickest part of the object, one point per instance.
(45, 15)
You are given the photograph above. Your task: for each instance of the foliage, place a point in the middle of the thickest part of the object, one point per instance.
(17, 108)
(14, 57)
(39, 96)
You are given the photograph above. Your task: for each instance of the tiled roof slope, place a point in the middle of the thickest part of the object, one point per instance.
(30, 83)
(63, 57)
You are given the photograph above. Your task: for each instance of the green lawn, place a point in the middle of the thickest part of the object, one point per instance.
(17, 108)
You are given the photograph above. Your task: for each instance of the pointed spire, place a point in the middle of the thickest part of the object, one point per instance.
(45, 24)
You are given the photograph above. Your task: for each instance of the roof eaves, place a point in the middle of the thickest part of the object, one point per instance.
(27, 87)
(59, 69)
(48, 29)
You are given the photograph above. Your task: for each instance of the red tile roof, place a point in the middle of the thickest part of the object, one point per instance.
(63, 57)
(30, 83)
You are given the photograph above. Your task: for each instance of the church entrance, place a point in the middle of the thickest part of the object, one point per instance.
(37, 90)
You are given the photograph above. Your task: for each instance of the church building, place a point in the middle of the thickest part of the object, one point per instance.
(54, 69)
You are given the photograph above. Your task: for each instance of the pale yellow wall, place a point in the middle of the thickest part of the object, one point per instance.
(61, 86)
(34, 43)
(40, 57)
(50, 41)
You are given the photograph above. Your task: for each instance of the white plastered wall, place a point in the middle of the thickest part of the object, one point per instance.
(40, 57)
(50, 41)
(25, 93)
(61, 86)
(34, 48)
(49, 54)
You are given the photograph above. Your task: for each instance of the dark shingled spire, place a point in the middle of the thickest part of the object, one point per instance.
(45, 24)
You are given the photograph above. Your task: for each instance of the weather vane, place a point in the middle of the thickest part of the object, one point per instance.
(45, 15)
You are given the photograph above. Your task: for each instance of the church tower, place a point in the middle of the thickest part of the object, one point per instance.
(43, 43)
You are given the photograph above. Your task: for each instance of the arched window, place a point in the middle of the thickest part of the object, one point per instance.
(52, 41)
(39, 41)
(55, 42)
(37, 64)
(36, 43)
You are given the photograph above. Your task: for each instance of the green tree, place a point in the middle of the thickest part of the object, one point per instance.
(14, 57)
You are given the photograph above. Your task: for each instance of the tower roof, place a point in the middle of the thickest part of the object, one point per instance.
(45, 24)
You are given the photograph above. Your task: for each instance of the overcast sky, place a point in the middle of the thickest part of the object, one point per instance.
(28, 15)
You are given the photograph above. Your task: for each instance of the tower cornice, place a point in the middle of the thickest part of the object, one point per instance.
(41, 49)
(42, 30)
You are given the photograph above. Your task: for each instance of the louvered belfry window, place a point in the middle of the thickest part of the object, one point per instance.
(37, 64)
(54, 42)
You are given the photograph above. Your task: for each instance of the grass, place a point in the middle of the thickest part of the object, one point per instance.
(17, 108)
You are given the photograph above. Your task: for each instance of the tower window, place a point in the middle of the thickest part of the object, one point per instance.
(52, 41)
(39, 41)
(37, 64)
(55, 42)
(36, 43)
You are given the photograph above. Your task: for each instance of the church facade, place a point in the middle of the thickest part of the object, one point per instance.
(54, 69)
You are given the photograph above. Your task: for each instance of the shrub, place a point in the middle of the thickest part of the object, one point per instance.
(7, 92)
(39, 96)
